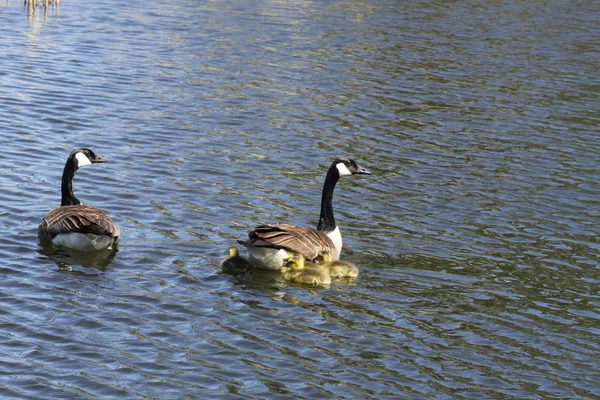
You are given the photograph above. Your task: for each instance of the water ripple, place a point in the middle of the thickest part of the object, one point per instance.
(476, 236)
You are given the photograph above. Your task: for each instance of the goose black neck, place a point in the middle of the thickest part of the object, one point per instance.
(327, 220)
(68, 198)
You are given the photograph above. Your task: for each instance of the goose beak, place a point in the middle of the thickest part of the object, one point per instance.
(100, 159)
(362, 171)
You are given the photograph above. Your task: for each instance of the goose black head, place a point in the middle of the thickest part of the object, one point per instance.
(347, 167)
(82, 157)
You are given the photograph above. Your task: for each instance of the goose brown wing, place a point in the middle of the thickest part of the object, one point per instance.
(298, 239)
(78, 218)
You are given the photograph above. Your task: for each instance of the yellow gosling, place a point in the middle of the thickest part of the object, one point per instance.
(337, 269)
(235, 264)
(297, 269)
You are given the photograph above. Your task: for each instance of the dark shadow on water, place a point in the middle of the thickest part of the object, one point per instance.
(71, 260)
(268, 281)
(260, 279)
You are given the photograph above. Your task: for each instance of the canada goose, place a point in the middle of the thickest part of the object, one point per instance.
(269, 245)
(297, 269)
(338, 268)
(74, 225)
(235, 264)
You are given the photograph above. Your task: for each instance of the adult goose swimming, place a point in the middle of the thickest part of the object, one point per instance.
(270, 245)
(74, 225)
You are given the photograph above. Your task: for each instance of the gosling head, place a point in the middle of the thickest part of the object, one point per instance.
(295, 262)
(83, 157)
(324, 257)
(233, 252)
(347, 167)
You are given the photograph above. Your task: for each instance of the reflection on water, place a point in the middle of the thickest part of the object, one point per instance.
(477, 242)
(39, 9)
(66, 258)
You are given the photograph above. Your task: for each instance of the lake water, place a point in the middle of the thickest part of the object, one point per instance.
(477, 237)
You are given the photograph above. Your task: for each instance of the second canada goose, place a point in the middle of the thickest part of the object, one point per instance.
(338, 268)
(269, 245)
(74, 225)
(235, 264)
(296, 269)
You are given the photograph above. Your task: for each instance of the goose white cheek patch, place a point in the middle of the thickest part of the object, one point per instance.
(82, 160)
(343, 170)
